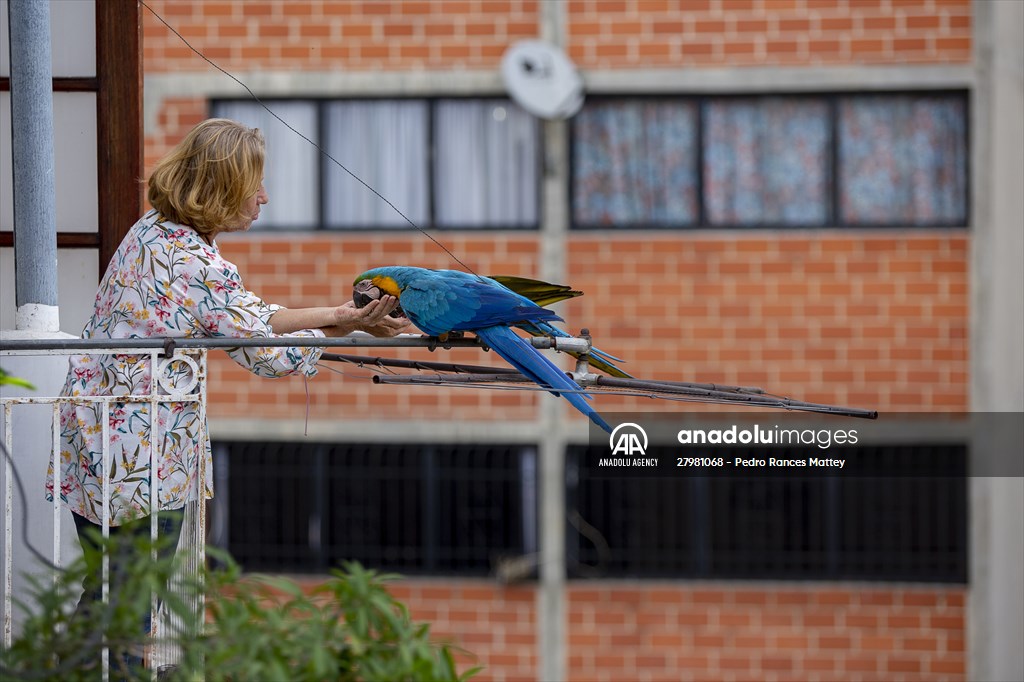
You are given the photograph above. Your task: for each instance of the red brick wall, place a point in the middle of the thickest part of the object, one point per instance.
(473, 34)
(611, 34)
(495, 626)
(718, 632)
(864, 318)
(356, 34)
(721, 632)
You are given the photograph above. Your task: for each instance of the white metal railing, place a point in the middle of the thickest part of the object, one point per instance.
(191, 548)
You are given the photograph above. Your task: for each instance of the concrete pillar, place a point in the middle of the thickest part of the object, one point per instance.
(35, 232)
(996, 604)
(552, 618)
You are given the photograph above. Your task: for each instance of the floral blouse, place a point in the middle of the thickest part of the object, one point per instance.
(164, 281)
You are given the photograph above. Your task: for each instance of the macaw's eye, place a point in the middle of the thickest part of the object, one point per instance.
(364, 291)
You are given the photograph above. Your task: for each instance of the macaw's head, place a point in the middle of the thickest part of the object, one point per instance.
(374, 284)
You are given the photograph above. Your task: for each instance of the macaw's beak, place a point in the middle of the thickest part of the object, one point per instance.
(365, 291)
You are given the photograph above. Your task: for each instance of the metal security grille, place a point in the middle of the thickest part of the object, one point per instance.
(907, 523)
(416, 508)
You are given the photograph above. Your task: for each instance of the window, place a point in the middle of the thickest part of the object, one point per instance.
(908, 523)
(771, 161)
(903, 160)
(423, 508)
(634, 162)
(443, 163)
(384, 144)
(765, 161)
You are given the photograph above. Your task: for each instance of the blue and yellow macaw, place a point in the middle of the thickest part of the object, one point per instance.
(444, 301)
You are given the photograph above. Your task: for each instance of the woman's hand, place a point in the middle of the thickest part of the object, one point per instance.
(374, 318)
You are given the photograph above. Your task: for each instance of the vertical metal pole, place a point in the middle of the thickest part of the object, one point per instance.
(154, 492)
(55, 454)
(35, 232)
(105, 520)
(200, 553)
(8, 528)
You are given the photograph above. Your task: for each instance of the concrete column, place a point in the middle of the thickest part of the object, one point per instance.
(35, 233)
(996, 603)
(36, 316)
(552, 639)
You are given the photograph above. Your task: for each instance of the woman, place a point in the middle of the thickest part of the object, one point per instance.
(168, 279)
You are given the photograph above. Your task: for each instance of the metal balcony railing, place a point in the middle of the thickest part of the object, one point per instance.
(191, 548)
(162, 352)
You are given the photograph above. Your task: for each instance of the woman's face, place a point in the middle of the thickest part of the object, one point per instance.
(250, 211)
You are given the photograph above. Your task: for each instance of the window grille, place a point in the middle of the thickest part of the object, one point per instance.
(412, 508)
(908, 523)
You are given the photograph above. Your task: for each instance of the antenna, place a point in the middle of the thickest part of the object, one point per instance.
(542, 79)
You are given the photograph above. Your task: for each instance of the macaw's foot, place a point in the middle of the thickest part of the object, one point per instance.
(444, 338)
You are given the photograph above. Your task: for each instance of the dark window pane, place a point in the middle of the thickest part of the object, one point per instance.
(413, 508)
(903, 160)
(270, 505)
(766, 160)
(634, 163)
(911, 526)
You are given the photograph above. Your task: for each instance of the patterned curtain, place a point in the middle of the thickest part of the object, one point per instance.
(766, 161)
(903, 160)
(486, 164)
(635, 163)
(384, 143)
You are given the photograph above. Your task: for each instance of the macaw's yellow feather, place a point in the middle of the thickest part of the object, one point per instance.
(387, 285)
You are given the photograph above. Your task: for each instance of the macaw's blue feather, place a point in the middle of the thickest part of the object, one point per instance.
(521, 355)
(443, 301)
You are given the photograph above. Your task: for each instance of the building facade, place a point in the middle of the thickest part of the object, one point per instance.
(812, 196)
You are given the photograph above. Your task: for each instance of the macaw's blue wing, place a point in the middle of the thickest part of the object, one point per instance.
(441, 301)
(520, 354)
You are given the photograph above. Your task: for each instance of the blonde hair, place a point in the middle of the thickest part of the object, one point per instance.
(204, 181)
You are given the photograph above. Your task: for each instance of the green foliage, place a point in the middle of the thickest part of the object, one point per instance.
(11, 380)
(256, 628)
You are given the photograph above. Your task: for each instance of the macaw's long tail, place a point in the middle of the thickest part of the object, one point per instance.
(525, 358)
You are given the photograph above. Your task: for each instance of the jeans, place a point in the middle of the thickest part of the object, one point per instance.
(125, 551)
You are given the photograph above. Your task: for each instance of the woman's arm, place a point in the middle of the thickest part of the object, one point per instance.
(342, 320)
